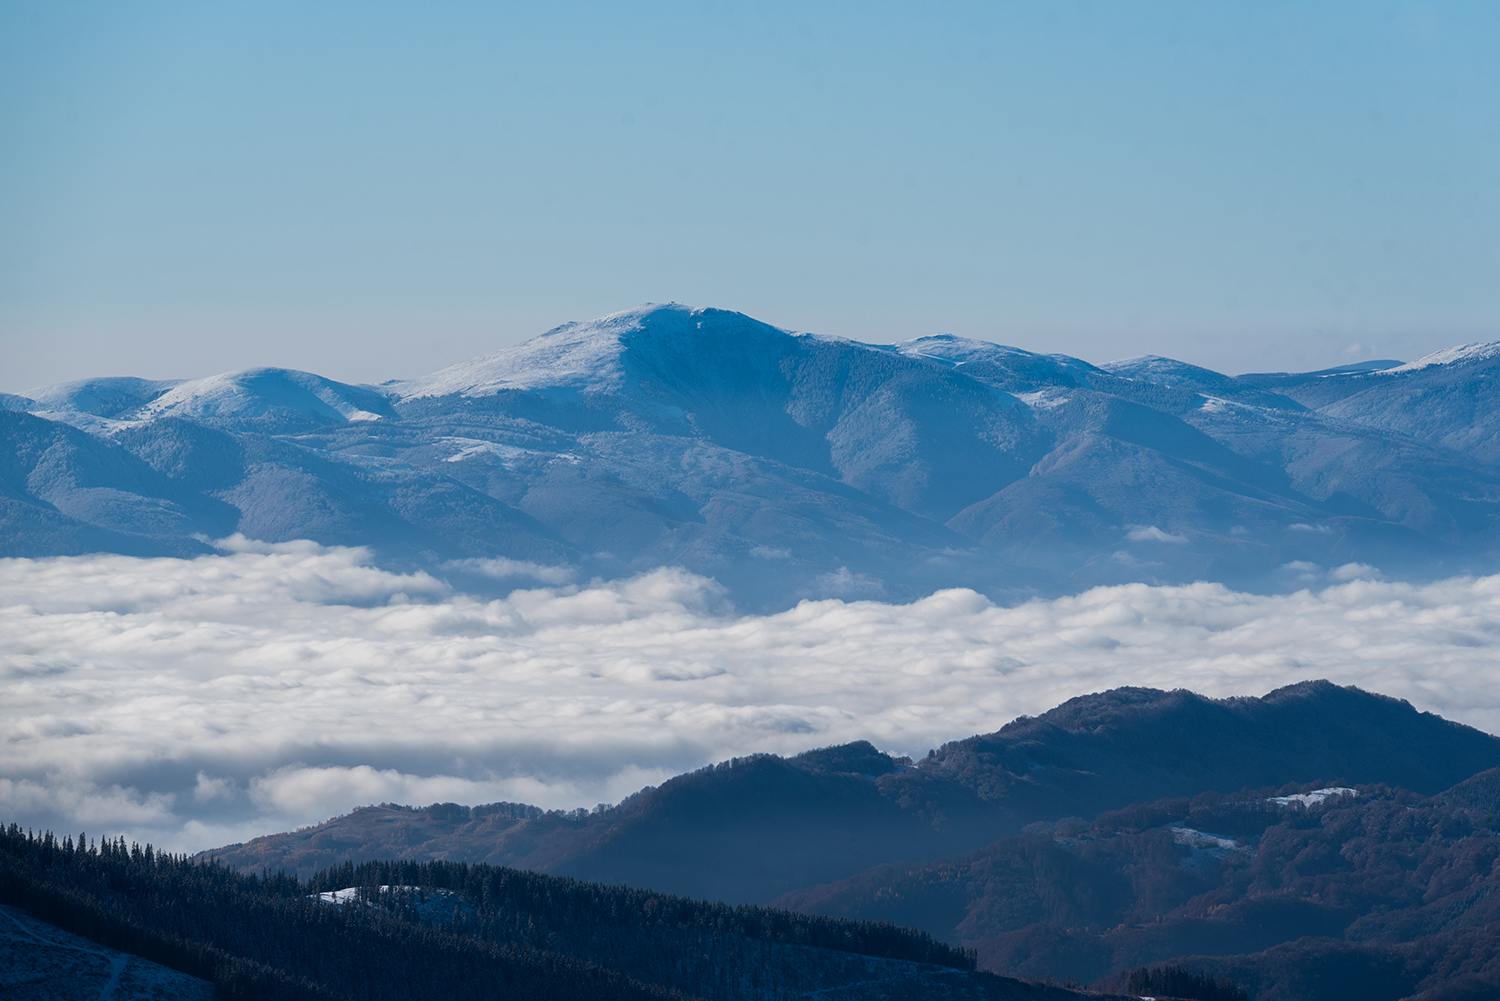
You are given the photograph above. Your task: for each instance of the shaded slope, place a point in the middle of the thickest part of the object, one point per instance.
(753, 828)
(441, 930)
(1379, 893)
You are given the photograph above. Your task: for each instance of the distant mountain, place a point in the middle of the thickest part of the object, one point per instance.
(754, 828)
(785, 465)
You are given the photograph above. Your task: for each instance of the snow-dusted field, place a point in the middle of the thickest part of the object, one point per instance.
(40, 962)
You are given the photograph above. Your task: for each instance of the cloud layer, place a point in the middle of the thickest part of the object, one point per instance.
(194, 702)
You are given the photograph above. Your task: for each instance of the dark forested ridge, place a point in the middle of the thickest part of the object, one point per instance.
(1316, 844)
(1375, 895)
(453, 931)
(754, 828)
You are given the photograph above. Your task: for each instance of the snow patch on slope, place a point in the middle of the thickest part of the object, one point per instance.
(1312, 798)
(1462, 354)
(960, 351)
(1158, 369)
(430, 905)
(1207, 850)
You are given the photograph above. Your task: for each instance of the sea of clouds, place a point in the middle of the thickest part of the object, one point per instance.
(198, 702)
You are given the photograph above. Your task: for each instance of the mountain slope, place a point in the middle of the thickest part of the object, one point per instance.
(1372, 892)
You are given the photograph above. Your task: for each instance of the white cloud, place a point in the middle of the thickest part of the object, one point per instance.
(1354, 571)
(209, 788)
(1150, 533)
(501, 568)
(200, 701)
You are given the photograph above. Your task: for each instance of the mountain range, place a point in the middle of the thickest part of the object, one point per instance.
(783, 465)
(1316, 842)
(751, 829)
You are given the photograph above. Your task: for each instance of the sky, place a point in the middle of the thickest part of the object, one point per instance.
(375, 190)
(196, 703)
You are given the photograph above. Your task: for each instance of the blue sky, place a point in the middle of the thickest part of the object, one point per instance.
(374, 190)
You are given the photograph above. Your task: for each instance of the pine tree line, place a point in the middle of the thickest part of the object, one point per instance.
(263, 938)
(515, 905)
(516, 935)
(1178, 982)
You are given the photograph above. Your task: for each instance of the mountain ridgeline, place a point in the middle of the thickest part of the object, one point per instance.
(749, 830)
(1315, 844)
(783, 465)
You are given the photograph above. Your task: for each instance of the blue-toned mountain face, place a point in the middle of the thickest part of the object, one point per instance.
(783, 465)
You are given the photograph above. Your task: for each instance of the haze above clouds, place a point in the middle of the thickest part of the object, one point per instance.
(196, 702)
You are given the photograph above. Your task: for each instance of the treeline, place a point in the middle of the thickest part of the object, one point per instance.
(1179, 982)
(594, 918)
(521, 935)
(1383, 896)
(263, 938)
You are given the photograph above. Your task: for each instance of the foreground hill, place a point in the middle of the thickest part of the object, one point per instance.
(41, 962)
(444, 931)
(754, 828)
(784, 465)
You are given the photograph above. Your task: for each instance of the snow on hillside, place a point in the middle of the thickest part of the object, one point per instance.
(104, 397)
(672, 435)
(1155, 368)
(959, 350)
(582, 356)
(1030, 365)
(1206, 851)
(431, 906)
(39, 960)
(1311, 798)
(104, 405)
(266, 392)
(1460, 355)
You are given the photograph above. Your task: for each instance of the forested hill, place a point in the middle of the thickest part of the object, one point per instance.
(450, 931)
(1373, 893)
(751, 829)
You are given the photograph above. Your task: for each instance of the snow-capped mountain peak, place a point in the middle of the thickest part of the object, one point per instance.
(783, 464)
(583, 356)
(111, 396)
(267, 393)
(247, 395)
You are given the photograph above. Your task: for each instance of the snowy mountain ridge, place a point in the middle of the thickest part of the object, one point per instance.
(1460, 355)
(786, 465)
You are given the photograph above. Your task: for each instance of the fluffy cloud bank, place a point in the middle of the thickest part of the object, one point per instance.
(194, 702)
